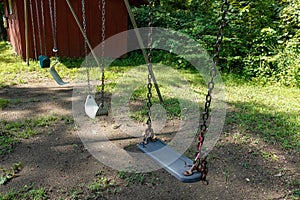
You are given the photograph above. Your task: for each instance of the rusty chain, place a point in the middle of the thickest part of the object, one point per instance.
(200, 163)
(149, 133)
(102, 9)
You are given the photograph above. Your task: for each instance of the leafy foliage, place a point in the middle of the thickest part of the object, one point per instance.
(261, 40)
(3, 35)
(8, 174)
(27, 192)
(13, 131)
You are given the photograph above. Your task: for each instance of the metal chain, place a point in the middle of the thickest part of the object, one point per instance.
(149, 133)
(200, 163)
(53, 25)
(102, 51)
(141, 44)
(38, 26)
(150, 33)
(44, 28)
(85, 44)
(33, 29)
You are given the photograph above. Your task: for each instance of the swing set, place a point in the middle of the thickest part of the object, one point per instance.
(91, 107)
(43, 59)
(192, 170)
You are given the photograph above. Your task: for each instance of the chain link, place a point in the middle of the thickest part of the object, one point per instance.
(85, 43)
(53, 25)
(38, 26)
(200, 163)
(149, 133)
(150, 33)
(102, 8)
(44, 28)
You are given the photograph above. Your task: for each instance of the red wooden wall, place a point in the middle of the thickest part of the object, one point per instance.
(70, 41)
(14, 31)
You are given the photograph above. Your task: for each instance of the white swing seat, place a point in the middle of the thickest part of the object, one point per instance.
(91, 107)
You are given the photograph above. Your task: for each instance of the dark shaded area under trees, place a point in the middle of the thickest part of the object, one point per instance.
(3, 35)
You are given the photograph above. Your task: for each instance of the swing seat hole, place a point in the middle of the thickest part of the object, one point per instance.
(103, 110)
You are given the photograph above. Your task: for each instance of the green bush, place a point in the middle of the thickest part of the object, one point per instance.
(261, 41)
(3, 35)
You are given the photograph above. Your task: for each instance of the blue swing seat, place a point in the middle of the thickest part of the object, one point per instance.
(55, 75)
(172, 161)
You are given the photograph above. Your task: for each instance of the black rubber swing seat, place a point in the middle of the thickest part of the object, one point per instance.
(172, 161)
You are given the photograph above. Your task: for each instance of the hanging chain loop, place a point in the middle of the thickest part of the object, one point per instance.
(38, 26)
(149, 133)
(44, 28)
(200, 163)
(102, 8)
(85, 44)
(53, 25)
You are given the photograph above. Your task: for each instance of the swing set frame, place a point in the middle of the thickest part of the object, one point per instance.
(193, 170)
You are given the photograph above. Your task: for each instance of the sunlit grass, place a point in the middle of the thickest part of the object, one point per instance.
(14, 70)
(27, 192)
(271, 112)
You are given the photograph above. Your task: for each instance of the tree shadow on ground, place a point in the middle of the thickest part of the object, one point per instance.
(238, 167)
(256, 118)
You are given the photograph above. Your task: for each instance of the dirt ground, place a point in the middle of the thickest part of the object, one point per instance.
(58, 161)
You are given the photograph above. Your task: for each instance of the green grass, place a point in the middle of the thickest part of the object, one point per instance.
(132, 178)
(102, 185)
(15, 71)
(13, 131)
(170, 104)
(3, 103)
(27, 192)
(270, 112)
(8, 174)
(137, 178)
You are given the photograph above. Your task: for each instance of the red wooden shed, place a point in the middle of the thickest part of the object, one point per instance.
(70, 41)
